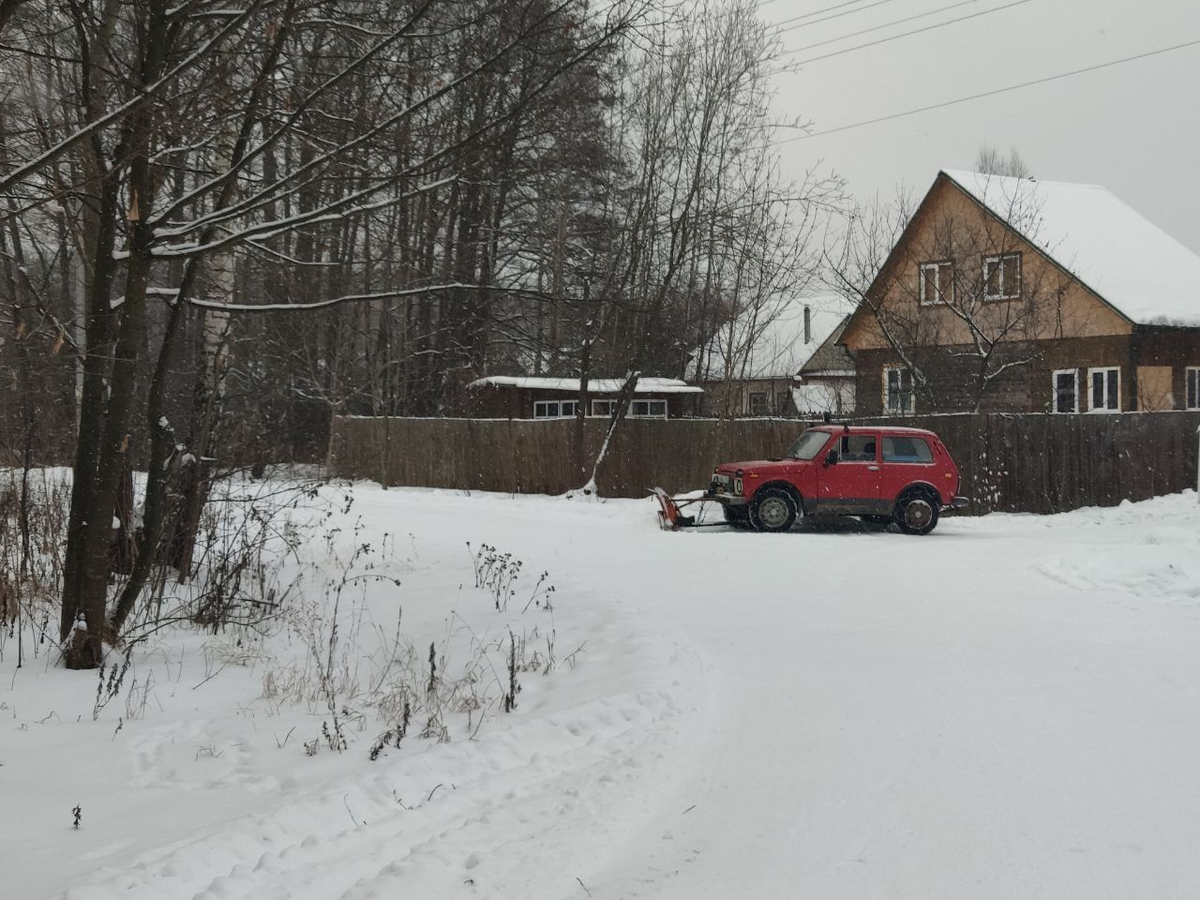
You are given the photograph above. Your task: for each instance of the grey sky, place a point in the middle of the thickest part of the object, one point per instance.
(1134, 128)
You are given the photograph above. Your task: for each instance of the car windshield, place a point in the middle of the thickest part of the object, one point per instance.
(808, 445)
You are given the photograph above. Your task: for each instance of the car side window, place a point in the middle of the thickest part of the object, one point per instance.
(906, 450)
(857, 448)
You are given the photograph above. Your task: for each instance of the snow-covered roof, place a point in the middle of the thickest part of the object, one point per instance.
(769, 342)
(1138, 268)
(595, 385)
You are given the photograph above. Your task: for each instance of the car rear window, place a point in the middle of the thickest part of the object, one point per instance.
(906, 450)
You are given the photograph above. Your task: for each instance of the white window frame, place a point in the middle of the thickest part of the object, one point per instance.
(650, 404)
(559, 409)
(1005, 293)
(941, 294)
(912, 394)
(1074, 373)
(607, 408)
(1092, 397)
(1193, 373)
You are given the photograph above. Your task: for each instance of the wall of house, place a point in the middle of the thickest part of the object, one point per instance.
(732, 398)
(1026, 387)
(1167, 349)
(505, 402)
(951, 225)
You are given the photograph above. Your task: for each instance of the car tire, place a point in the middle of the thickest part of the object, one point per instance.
(736, 516)
(773, 510)
(917, 513)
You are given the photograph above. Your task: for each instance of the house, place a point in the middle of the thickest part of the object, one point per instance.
(752, 365)
(826, 381)
(532, 397)
(1015, 295)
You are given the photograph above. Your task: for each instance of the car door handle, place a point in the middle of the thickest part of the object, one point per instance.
(872, 468)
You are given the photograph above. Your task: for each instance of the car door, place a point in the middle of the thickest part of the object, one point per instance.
(851, 485)
(906, 459)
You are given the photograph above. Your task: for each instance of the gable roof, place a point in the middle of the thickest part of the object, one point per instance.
(832, 357)
(768, 343)
(1131, 263)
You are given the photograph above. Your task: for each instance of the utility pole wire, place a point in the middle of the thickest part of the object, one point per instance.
(992, 93)
(904, 34)
(844, 37)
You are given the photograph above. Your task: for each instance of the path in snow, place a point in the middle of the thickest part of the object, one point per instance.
(1003, 709)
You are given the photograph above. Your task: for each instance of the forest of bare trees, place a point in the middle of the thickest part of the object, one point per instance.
(224, 221)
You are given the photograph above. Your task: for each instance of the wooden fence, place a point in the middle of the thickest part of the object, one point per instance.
(1010, 463)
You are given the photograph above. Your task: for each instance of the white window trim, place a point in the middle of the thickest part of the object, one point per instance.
(605, 414)
(1188, 372)
(559, 403)
(887, 408)
(1004, 294)
(939, 292)
(1054, 390)
(648, 415)
(1091, 397)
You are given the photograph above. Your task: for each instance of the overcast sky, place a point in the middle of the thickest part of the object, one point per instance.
(1134, 128)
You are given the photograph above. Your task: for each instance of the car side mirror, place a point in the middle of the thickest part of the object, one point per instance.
(831, 458)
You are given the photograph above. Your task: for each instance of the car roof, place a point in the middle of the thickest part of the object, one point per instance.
(876, 429)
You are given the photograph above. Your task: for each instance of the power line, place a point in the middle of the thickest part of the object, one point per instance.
(932, 12)
(904, 34)
(816, 12)
(993, 93)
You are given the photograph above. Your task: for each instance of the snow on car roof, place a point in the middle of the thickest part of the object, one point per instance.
(595, 385)
(1133, 264)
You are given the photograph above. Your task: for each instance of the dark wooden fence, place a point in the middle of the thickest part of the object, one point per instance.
(1010, 463)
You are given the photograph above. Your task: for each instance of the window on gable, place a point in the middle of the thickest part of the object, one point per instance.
(1193, 387)
(1066, 391)
(937, 283)
(897, 391)
(1002, 276)
(1104, 394)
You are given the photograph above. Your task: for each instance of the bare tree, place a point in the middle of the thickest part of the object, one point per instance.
(991, 161)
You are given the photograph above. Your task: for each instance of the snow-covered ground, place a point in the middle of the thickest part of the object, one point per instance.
(1007, 708)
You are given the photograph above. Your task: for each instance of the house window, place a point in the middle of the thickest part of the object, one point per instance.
(758, 404)
(937, 283)
(603, 407)
(897, 391)
(1066, 391)
(1002, 277)
(1193, 387)
(554, 409)
(1105, 390)
(648, 409)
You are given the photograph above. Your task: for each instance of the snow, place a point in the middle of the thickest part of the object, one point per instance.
(769, 342)
(1002, 709)
(595, 385)
(1133, 264)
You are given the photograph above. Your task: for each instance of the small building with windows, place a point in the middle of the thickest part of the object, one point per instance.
(1015, 295)
(537, 397)
(780, 358)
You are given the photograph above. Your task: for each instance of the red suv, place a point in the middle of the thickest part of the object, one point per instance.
(882, 474)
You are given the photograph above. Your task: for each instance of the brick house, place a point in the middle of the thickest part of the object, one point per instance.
(1014, 295)
(533, 397)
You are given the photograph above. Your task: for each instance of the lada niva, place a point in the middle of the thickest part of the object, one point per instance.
(882, 474)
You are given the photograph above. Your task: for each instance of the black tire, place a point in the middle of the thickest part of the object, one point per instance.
(736, 516)
(773, 510)
(917, 512)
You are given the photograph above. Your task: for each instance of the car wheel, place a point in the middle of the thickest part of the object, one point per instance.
(773, 509)
(917, 513)
(736, 516)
